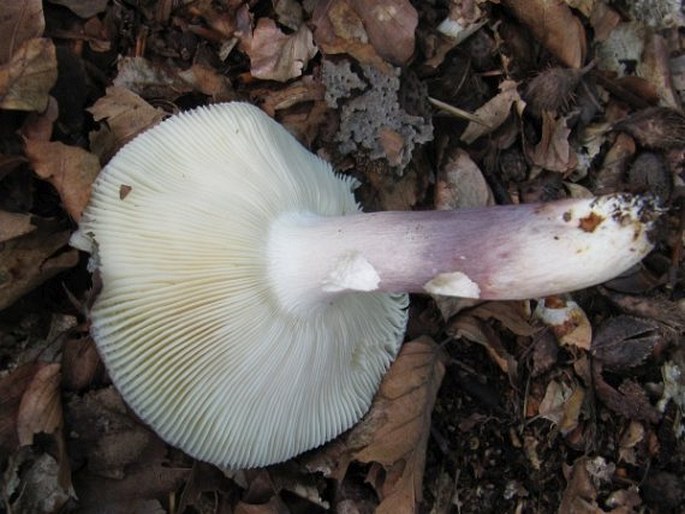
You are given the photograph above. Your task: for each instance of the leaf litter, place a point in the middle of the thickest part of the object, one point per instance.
(568, 404)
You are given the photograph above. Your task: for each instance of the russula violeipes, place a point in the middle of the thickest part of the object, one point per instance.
(249, 310)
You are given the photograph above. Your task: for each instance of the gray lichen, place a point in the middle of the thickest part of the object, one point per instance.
(371, 117)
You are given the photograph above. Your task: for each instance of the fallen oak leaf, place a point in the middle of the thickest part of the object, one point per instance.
(391, 26)
(40, 409)
(19, 22)
(26, 80)
(554, 152)
(124, 115)
(278, 56)
(14, 224)
(12, 388)
(340, 30)
(395, 431)
(624, 342)
(83, 8)
(494, 112)
(553, 23)
(29, 260)
(70, 169)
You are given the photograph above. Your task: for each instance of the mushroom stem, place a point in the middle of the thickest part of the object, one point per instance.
(505, 252)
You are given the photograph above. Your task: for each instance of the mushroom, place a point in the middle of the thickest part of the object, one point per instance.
(249, 310)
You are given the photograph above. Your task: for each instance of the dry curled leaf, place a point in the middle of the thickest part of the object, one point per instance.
(40, 409)
(373, 32)
(494, 112)
(278, 56)
(12, 387)
(624, 342)
(19, 22)
(554, 152)
(29, 260)
(394, 433)
(553, 24)
(83, 8)
(561, 405)
(13, 224)
(26, 80)
(340, 30)
(461, 184)
(70, 169)
(124, 115)
(391, 25)
(629, 400)
(580, 495)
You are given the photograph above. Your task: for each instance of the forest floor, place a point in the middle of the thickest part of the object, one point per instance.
(432, 104)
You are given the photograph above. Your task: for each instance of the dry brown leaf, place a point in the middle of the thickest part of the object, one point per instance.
(150, 80)
(603, 20)
(38, 125)
(12, 387)
(40, 409)
(561, 405)
(273, 506)
(630, 400)
(306, 89)
(474, 329)
(460, 184)
(278, 56)
(305, 123)
(514, 315)
(289, 13)
(340, 30)
(19, 22)
(567, 320)
(83, 8)
(633, 434)
(545, 353)
(37, 482)
(391, 25)
(125, 115)
(26, 80)
(395, 431)
(80, 363)
(209, 82)
(139, 506)
(553, 24)
(107, 438)
(609, 178)
(624, 342)
(655, 66)
(494, 112)
(13, 224)
(29, 260)
(143, 481)
(553, 152)
(580, 495)
(70, 169)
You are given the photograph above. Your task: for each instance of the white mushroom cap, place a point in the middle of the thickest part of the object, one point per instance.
(187, 321)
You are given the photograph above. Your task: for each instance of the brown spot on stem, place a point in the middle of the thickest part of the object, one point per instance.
(591, 222)
(124, 190)
(567, 216)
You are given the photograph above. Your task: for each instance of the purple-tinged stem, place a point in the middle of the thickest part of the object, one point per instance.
(504, 252)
